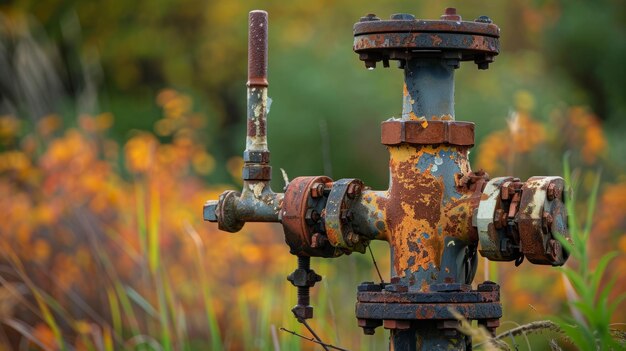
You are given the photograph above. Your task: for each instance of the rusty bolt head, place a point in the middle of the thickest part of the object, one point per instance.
(554, 248)
(483, 19)
(450, 15)
(311, 215)
(369, 325)
(369, 17)
(369, 331)
(396, 288)
(488, 286)
(400, 324)
(346, 215)
(402, 16)
(318, 240)
(353, 238)
(499, 219)
(304, 312)
(504, 191)
(317, 190)
(449, 326)
(353, 190)
(369, 286)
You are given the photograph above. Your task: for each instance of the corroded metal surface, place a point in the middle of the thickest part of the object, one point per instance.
(541, 217)
(302, 220)
(436, 210)
(429, 217)
(497, 242)
(395, 132)
(404, 37)
(339, 216)
(257, 49)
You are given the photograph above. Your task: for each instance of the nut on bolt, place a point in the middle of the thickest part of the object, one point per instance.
(317, 190)
(318, 240)
(450, 15)
(369, 325)
(354, 190)
(483, 19)
(303, 312)
(369, 17)
(400, 324)
(449, 326)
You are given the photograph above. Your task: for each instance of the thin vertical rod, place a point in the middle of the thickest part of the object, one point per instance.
(256, 140)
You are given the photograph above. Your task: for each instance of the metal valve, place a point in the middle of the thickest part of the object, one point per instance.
(435, 215)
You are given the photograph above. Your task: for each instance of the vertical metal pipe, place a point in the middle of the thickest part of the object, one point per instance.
(256, 140)
(428, 89)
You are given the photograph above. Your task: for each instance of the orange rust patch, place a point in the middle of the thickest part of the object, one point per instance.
(416, 220)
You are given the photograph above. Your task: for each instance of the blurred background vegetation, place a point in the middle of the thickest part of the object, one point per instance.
(118, 119)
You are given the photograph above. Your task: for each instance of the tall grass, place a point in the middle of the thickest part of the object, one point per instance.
(591, 291)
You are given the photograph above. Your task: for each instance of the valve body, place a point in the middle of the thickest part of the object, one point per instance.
(436, 214)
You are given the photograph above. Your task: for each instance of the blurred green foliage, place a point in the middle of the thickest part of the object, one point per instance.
(562, 52)
(116, 56)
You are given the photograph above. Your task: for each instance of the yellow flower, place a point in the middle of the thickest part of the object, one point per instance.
(139, 152)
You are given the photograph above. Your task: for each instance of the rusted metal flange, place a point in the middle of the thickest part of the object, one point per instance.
(404, 37)
(543, 216)
(338, 215)
(303, 205)
(376, 303)
(497, 242)
(395, 132)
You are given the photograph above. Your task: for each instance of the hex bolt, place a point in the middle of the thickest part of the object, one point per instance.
(396, 288)
(399, 324)
(490, 325)
(312, 216)
(483, 19)
(353, 238)
(369, 325)
(318, 240)
(449, 326)
(504, 191)
(554, 247)
(369, 17)
(353, 190)
(317, 190)
(303, 278)
(450, 15)
(488, 286)
(369, 286)
(402, 17)
(346, 215)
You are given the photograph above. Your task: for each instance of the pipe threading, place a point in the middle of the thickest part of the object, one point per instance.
(304, 262)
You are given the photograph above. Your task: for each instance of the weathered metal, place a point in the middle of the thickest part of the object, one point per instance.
(396, 132)
(303, 204)
(436, 211)
(303, 278)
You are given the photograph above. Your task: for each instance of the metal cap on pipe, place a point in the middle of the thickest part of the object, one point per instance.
(257, 49)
